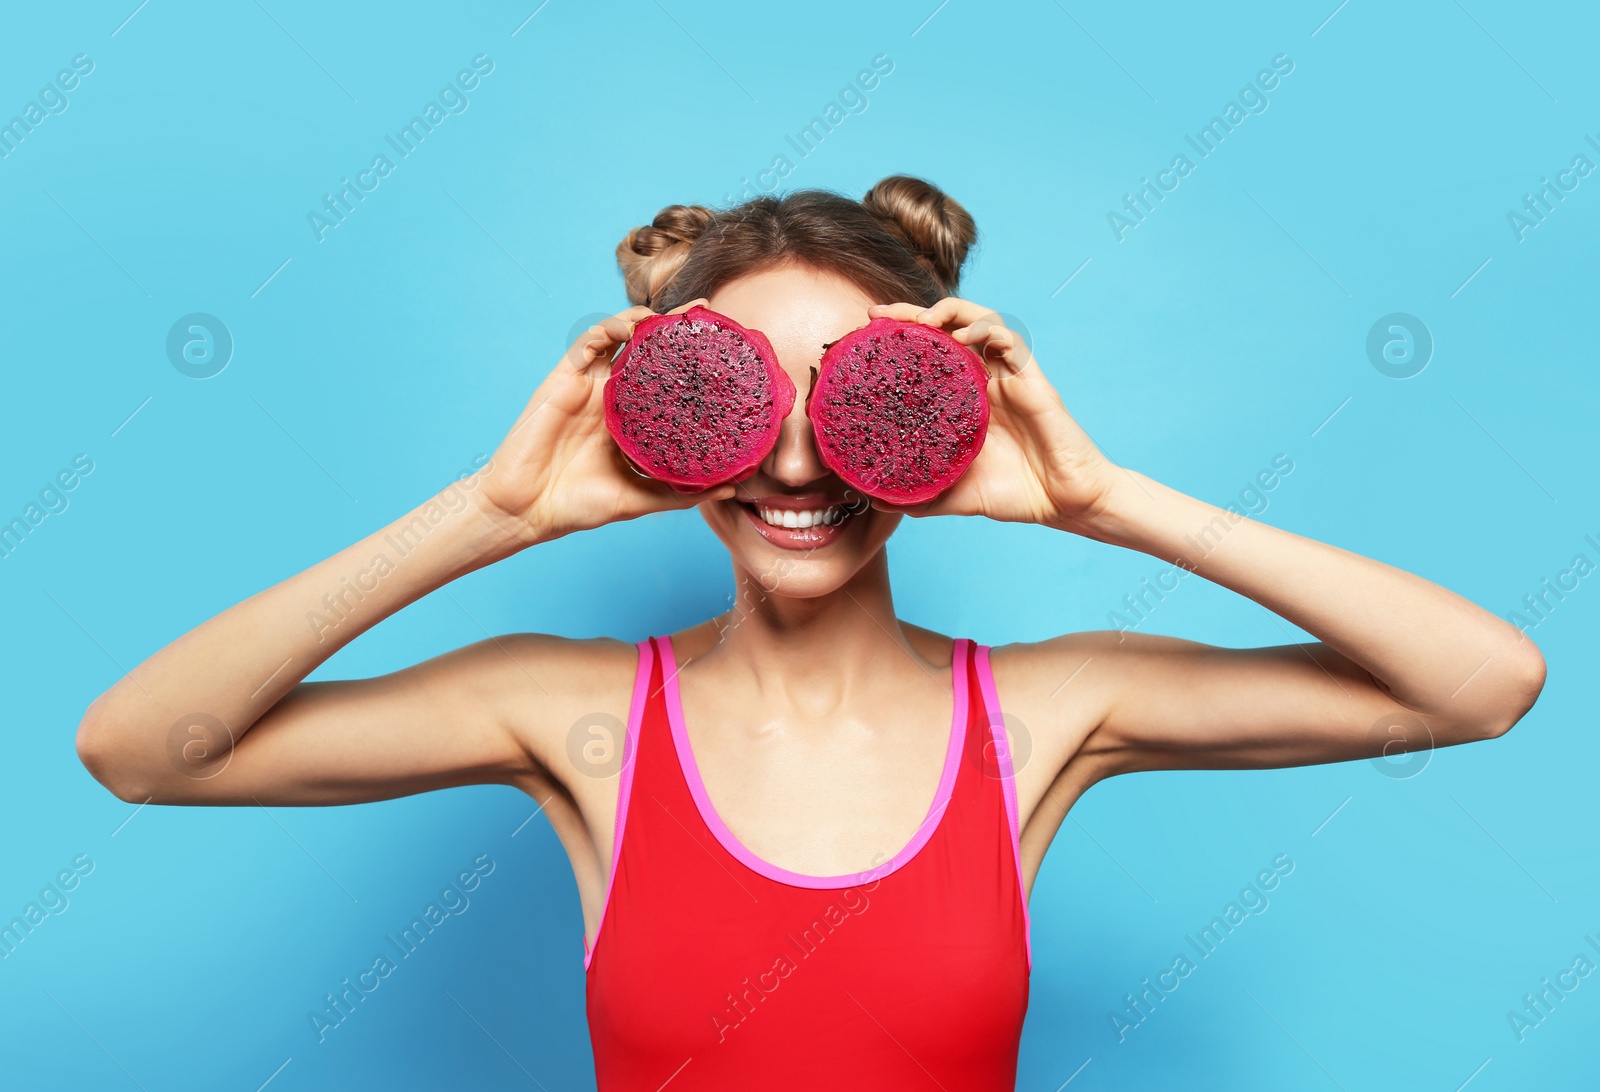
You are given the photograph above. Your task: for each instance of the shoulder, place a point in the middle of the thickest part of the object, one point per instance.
(932, 646)
(1027, 665)
(1062, 687)
(565, 668)
(1066, 686)
(1097, 657)
(1053, 695)
(543, 685)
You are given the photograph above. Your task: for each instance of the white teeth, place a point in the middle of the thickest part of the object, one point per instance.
(801, 518)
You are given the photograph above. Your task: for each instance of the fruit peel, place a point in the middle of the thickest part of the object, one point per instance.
(696, 400)
(899, 410)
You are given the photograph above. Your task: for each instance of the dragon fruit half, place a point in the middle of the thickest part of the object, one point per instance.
(899, 410)
(695, 399)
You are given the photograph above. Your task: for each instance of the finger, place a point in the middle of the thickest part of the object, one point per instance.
(691, 497)
(635, 314)
(723, 492)
(978, 329)
(598, 345)
(904, 312)
(937, 315)
(657, 496)
(593, 344)
(602, 337)
(948, 310)
(1030, 396)
(1003, 351)
(952, 312)
(619, 328)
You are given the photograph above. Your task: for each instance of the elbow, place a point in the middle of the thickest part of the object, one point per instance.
(97, 752)
(1520, 686)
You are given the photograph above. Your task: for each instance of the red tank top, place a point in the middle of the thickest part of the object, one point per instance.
(713, 969)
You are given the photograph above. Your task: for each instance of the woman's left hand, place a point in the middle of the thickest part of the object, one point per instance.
(1037, 465)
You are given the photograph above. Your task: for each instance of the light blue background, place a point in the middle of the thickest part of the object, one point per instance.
(381, 361)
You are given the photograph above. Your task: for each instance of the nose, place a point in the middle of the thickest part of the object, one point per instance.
(793, 460)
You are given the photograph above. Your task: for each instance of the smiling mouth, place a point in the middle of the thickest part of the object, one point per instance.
(801, 523)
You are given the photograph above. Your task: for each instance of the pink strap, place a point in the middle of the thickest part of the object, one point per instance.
(630, 750)
(1008, 781)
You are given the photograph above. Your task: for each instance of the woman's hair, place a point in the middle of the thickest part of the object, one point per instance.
(903, 241)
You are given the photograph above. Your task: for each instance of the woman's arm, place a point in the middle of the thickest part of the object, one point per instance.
(222, 714)
(1391, 645)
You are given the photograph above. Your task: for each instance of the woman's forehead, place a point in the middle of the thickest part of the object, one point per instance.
(798, 309)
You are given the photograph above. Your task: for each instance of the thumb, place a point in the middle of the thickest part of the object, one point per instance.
(684, 498)
(915, 511)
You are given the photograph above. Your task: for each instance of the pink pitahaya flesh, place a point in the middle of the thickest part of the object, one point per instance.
(695, 399)
(899, 410)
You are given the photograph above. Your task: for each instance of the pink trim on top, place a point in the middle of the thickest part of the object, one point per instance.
(1008, 780)
(641, 682)
(730, 842)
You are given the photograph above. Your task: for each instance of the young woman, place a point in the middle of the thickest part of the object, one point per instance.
(807, 863)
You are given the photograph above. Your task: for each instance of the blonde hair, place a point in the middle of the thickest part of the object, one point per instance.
(905, 240)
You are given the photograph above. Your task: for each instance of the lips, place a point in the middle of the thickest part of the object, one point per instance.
(801, 522)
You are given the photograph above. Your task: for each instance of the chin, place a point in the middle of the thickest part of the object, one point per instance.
(800, 546)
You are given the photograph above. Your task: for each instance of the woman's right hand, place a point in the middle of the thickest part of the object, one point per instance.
(558, 469)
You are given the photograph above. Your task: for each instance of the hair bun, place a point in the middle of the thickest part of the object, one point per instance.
(933, 225)
(651, 256)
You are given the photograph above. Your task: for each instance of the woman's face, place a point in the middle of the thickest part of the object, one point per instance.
(799, 310)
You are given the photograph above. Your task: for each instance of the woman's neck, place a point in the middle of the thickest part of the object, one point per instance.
(832, 641)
